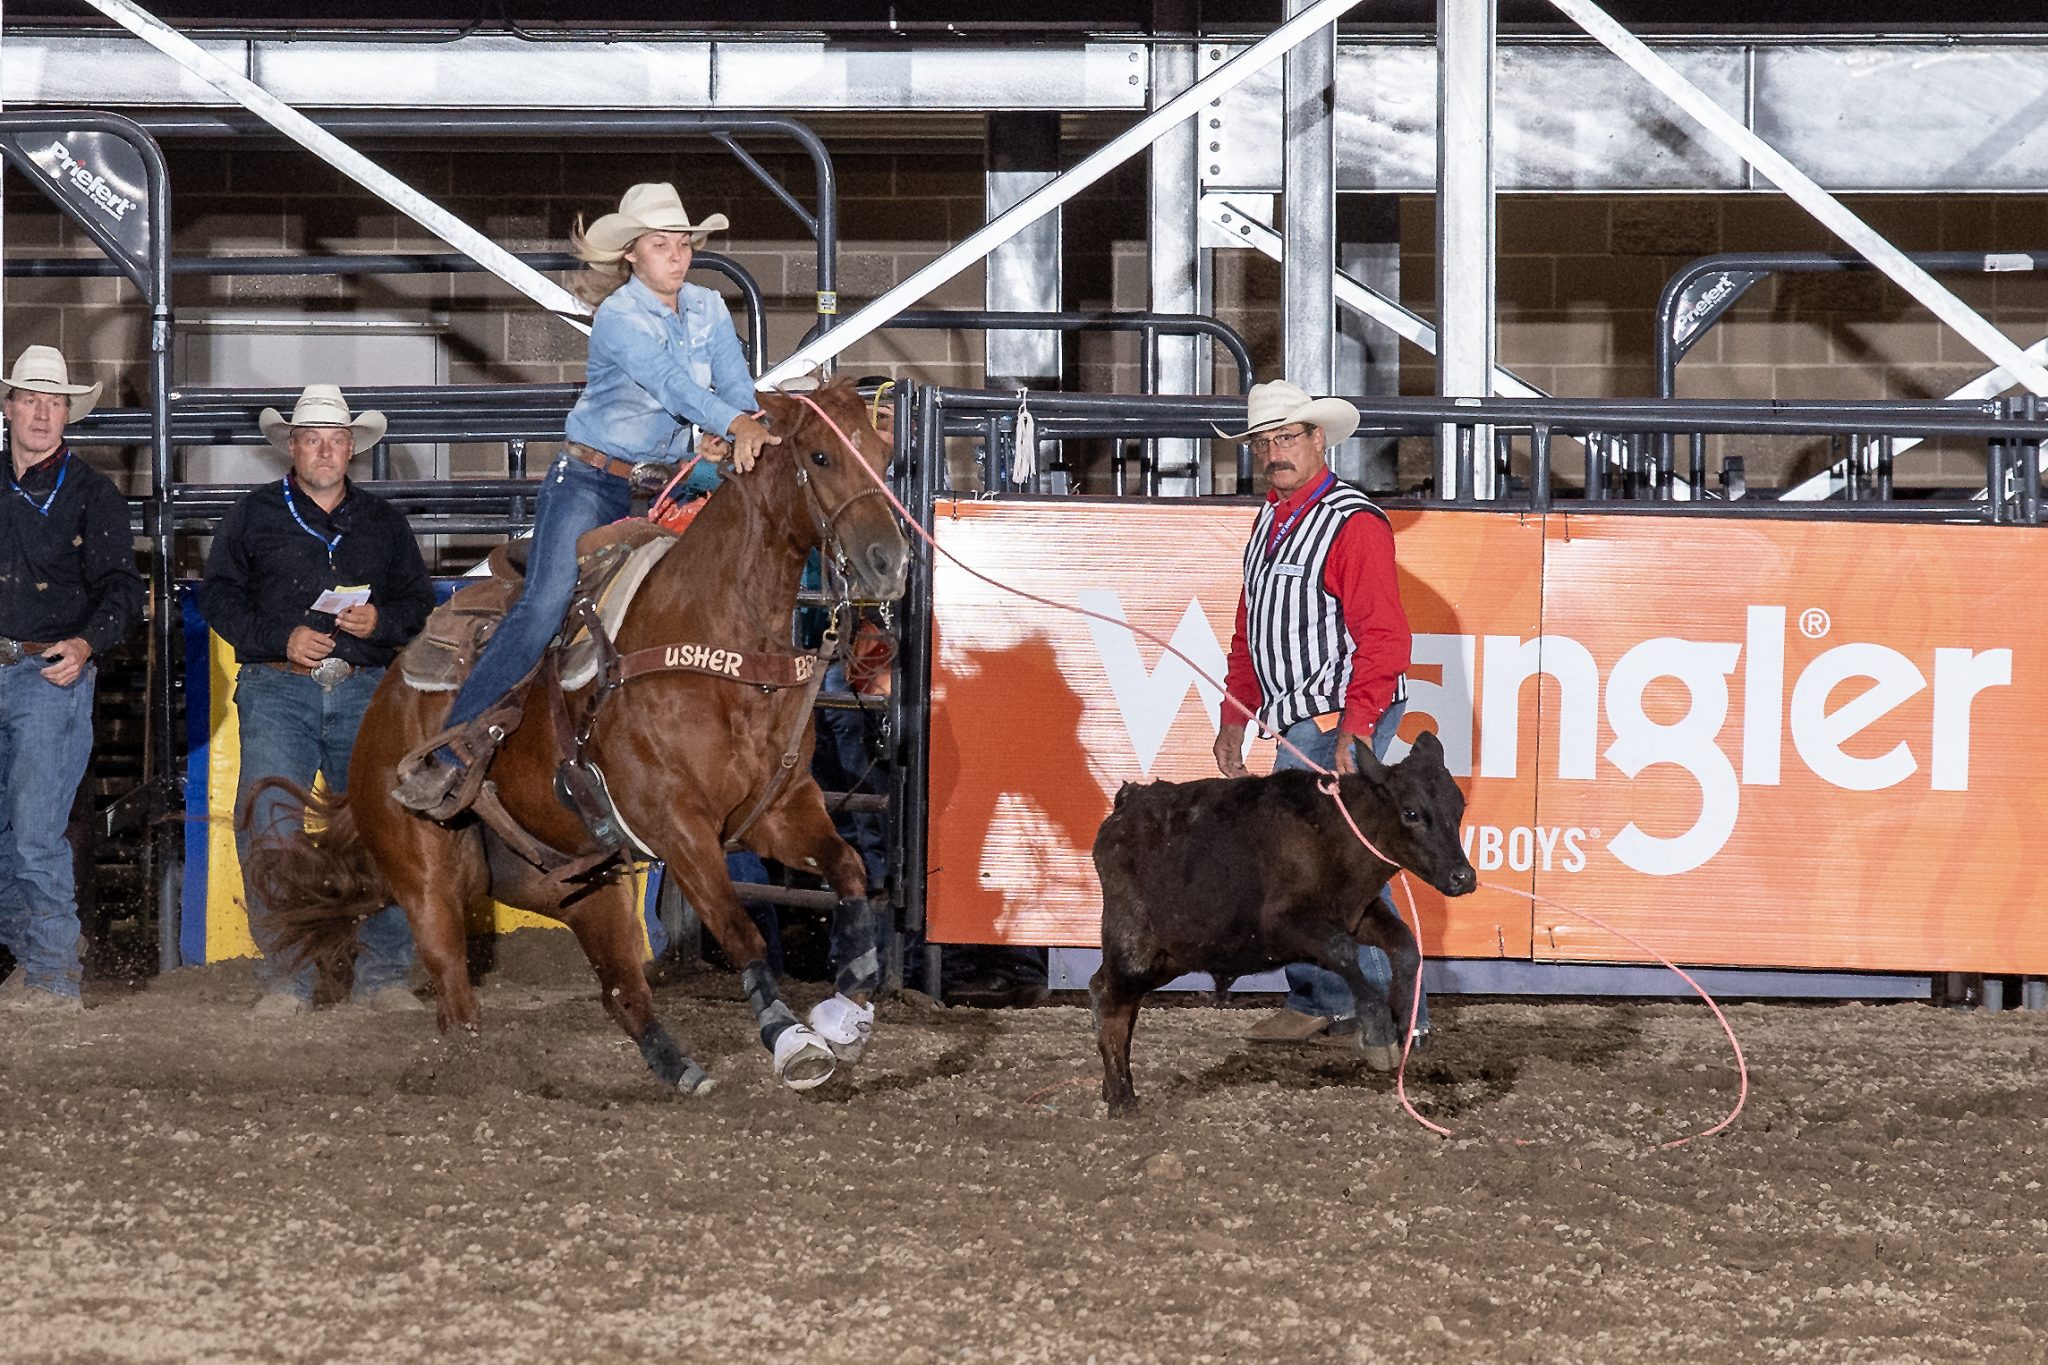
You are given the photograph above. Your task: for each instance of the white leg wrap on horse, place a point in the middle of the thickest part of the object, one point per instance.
(802, 1058)
(845, 1026)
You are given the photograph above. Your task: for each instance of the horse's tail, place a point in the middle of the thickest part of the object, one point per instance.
(315, 883)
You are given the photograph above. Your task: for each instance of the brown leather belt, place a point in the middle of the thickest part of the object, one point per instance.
(597, 459)
(14, 651)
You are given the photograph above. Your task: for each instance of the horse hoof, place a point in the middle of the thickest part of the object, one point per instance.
(845, 1026)
(1382, 1057)
(803, 1060)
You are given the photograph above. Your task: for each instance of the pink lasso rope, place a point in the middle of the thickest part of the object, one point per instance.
(1329, 786)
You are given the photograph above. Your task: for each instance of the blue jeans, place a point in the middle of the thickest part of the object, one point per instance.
(843, 762)
(45, 740)
(745, 865)
(1313, 989)
(293, 727)
(574, 498)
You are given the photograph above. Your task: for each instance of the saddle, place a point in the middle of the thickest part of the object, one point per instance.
(611, 563)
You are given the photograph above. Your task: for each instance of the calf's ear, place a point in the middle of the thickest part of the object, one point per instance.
(1427, 744)
(1369, 765)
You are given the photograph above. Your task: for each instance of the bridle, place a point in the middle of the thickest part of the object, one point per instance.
(827, 523)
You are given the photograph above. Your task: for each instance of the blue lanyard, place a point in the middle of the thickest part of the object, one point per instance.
(43, 507)
(293, 507)
(1279, 537)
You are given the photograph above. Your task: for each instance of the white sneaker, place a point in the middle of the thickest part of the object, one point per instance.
(845, 1026)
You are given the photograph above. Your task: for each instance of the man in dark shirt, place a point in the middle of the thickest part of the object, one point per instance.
(316, 584)
(68, 592)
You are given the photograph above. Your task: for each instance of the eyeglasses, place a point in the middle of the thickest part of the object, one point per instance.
(1279, 440)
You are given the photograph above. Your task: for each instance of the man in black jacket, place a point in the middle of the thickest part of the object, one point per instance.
(68, 592)
(316, 583)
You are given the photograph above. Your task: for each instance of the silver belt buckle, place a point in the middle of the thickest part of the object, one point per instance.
(10, 651)
(331, 672)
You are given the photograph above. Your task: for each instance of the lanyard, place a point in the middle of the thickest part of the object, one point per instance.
(292, 506)
(43, 507)
(1279, 536)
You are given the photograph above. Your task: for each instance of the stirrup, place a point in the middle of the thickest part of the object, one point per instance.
(430, 786)
(434, 789)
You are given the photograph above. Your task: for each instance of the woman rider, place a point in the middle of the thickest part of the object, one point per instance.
(663, 355)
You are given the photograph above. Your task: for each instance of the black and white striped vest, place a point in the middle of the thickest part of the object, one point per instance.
(1294, 626)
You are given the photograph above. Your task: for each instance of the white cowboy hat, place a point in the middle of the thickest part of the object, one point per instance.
(648, 208)
(41, 369)
(1279, 404)
(321, 405)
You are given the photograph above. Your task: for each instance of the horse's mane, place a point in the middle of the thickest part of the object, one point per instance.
(793, 420)
(836, 392)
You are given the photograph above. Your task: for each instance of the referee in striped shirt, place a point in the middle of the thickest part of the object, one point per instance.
(1320, 650)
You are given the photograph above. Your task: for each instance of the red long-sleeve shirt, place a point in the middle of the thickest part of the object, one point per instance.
(1359, 573)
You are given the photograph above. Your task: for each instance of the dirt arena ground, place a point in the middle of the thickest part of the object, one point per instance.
(180, 1183)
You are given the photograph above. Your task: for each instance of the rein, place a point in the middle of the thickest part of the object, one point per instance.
(1329, 787)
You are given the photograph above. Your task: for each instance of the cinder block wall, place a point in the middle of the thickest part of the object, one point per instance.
(1579, 278)
(1579, 275)
(898, 209)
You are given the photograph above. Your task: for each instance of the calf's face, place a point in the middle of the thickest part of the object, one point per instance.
(1423, 807)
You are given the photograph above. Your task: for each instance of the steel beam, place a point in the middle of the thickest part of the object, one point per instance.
(1368, 356)
(1308, 188)
(1173, 259)
(491, 71)
(1465, 307)
(1860, 113)
(1084, 173)
(1024, 273)
(1247, 230)
(338, 154)
(1993, 344)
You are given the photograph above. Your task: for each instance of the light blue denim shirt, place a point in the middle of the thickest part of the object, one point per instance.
(654, 370)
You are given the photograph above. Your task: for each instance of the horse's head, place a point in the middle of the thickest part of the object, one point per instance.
(852, 523)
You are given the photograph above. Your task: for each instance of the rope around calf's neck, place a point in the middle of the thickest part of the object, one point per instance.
(1328, 784)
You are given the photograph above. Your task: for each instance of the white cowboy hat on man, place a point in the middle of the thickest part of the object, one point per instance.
(41, 369)
(321, 405)
(648, 208)
(1278, 403)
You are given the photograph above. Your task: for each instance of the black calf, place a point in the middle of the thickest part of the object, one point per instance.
(1231, 876)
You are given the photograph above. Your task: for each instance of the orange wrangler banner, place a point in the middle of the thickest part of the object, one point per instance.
(1768, 744)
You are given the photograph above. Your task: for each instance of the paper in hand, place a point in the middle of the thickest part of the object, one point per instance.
(340, 599)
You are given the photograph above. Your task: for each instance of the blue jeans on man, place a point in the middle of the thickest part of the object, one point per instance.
(45, 741)
(574, 498)
(1316, 990)
(844, 762)
(292, 727)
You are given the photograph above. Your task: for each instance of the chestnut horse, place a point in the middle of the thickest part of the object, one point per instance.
(687, 757)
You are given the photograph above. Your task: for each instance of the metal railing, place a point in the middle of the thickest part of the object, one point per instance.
(1686, 312)
(725, 129)
(1617, 433)
(402, 263)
